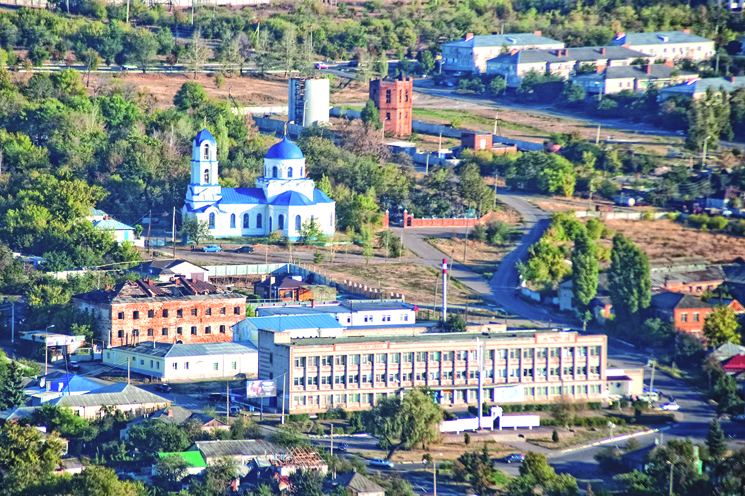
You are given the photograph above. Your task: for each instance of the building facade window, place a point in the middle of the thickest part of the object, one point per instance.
(232, 221)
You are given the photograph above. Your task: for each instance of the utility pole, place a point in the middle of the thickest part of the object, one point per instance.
(68, 10)
(671, 477)
(426, 167)
(192, 11)
(128, 360)
(651, 382)
(332, 440)
(149, 223)
(227, 401)
(465, 246)
(12, 322)
(173, 233)
(284, 379)
(597, 136)
(46, 349)
(703, 157)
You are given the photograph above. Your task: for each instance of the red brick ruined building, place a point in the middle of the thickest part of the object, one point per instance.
(393, 97)
(182, 311)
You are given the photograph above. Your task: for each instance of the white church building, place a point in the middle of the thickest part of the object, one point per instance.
(282, 200)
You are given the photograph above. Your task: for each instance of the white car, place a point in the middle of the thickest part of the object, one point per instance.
(671, 407)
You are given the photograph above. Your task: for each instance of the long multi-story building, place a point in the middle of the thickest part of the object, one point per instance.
(668, 45)
(471, 53)
(353, 372)
(182, 312)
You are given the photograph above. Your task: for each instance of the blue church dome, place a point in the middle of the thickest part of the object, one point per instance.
(203, 136)
(284, 150)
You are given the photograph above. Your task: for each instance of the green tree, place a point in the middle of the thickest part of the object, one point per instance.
(381, 64)
(555, 436)
(11, 389)
(97, 480)
(629, 282)
(310, 231)
(572, 95)
(584, 271)
(391, 243)
(190, 96)
(497, 85)
(154, 436)
(427, 62)
(195, 230)
(307, 483)
(371, 116)
(27, 456)
(562, 411)
(721, 326)
(709, 120)
(404, 423)
(196, 53)
(90, 60)
(715, 440)
(142, 48)
(472, 187)
(170, 470)
(456, 323)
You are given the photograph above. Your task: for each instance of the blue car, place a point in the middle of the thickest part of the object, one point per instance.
(212, 248)
(513, 458)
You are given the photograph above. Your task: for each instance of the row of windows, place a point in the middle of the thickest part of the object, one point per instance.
(179, 313)
(444, 356)
(215, 366)
(436, 375)
(696, 317)
(401, 97)
(277, 173)
(165, 332)
(460, 396)
(385, 318)
(259, 224)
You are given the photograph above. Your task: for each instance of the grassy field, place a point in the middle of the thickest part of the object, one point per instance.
(471, 119)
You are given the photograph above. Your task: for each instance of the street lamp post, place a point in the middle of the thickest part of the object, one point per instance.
(703, 157)
(671, 478)
(46, 349)
(434, 475)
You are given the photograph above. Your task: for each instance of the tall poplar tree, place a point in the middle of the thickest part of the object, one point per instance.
(584, 271)
(629, 283)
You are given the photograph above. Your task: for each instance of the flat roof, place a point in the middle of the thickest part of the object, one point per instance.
(192, 349)
(658, 38)
(498, 40)
(287, 322)
(341, 307)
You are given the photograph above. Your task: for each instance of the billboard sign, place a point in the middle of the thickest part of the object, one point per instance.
(261, 389)
(509, 394)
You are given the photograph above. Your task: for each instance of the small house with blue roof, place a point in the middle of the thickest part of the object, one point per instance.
(282, 200)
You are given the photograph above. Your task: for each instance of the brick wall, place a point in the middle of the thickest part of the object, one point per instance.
(410, 221)
(394, 100)
(151, 320)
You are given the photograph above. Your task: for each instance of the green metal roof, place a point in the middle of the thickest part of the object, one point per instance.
(193, 458)
(112, 225)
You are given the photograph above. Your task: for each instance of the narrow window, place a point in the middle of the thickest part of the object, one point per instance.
(245, 221)
(206, 151)
(289, 172)
(298, 223)
(258, 221)
(274, 171)
(212, 221)
(206, 176)
(232, 221)
(281, 222)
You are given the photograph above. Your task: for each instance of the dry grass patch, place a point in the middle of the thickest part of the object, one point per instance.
(582, 435)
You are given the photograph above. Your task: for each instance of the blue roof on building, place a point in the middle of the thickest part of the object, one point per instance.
(499, 40)
(291, 198)
(112, 225)
(284, 150)
(243, 196)
(71, 383)
(658, 38)
(290, 322)
(320, 197)
(203, 136)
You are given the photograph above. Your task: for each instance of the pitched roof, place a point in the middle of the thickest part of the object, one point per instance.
(144, 290)
(178, 415)
(161, 350)
(71, 383)
(243, 196)
(735, 364)
(342, 307)
(290, 322)
(499, 40)
(116, 394)
(162, 266)
(248, 447)
(712, 273)
(578, 54)
(658, 38)
(679, 301)
(287, 282)
(727, 350)
(204, 135)
(357, 483)
(702, 85)
(193, 458)
(657, 71)
(112, 225)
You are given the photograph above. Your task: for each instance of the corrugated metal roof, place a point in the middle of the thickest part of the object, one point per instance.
(702, 85)
(116, 394)
(243, 196)
(112, 225)
(578, 54)
(186, 350)
(659, 38)
(248, 447)
(357, 483)
(290, 322)
(498, 40)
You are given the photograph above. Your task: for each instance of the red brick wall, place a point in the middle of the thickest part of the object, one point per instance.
(695, 288)
(690, 325)
(110, 324)
(473, 141)
(410, 221)
(395, 115)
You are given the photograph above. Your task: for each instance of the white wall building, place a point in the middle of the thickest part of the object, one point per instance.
(186, 362)
(281, 201)
(668, 45)
(471, 53)
(351, 313)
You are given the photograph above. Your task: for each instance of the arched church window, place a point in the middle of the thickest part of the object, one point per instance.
(274, 171)
(301, 172)
(281, 222)
(207, 176)
(298, 223)
(245, 221)
(270, 224)
(232, 220)
(206, 151)
(212, 220)
(258, 221)
(289, 172)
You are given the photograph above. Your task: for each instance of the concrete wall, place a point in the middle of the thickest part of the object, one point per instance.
(280, 109)
(618, 215)
(368, 292)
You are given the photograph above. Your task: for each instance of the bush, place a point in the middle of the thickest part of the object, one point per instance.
(673, 215)
(555, 436)
(594, 228)
(648, 215)
(466, 438)
(632, 445)
(624, 403)
(339, 430)
(317, 257)
(478, 233)
(298, 417)
(594, 405)
(718, 222)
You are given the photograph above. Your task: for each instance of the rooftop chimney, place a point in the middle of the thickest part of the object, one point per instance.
(669, 63)
(537, 33)
(170, 412)
(687, 31)
(514, 51)
(647, 68)
(731, 79)
(469, 36)
(602, 51)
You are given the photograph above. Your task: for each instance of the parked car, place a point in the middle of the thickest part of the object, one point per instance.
(235, 410)
(381, 463)
(343, 447)
(245, 249)
(163, 388)
(671, 407)
(74, 367)
(321, 65)
(513, 458)
(353, 63)
(738, 418)
(646, 390)
(211, 248)
(650, 397)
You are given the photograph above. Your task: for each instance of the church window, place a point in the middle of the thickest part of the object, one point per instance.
(298, 223)
(206, 176)
(274, 171)
(245, 221)
(258, 221)
(281, 222)
(301, 172)
(289, 172)
(232, 220)
(206, 151)
(212, 220)
(270, 223)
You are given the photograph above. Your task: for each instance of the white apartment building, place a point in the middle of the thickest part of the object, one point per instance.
(667, 45)
(471, 53)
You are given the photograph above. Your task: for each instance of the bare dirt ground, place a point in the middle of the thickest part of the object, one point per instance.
(247, 90)
(665, 238)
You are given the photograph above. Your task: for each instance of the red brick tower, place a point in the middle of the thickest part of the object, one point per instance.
(393, 97)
